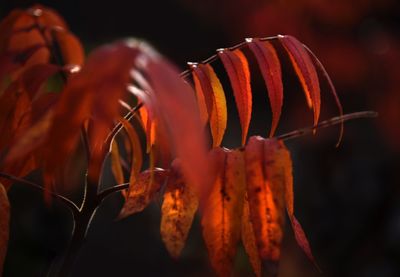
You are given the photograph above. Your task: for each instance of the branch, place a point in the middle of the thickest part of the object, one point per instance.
(66, 201)
(119, 126)
(102, 195)
(327, 123)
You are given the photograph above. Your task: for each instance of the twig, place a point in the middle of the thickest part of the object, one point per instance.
(65, 200)
(327, 123)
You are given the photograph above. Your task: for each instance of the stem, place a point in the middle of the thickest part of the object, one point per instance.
(327, 123)
(71, 205)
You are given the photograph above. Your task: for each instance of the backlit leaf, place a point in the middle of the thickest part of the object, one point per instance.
(305, 71)
(283, 167)
(4, 225)
(215, 100)
(265, 201)
(249, 240)
(237, 67)
(177, 212)
(270, 68)
(143, 191)
(222, 214)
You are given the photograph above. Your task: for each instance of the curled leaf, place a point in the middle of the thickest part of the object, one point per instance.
(237, 68)
(305, 71)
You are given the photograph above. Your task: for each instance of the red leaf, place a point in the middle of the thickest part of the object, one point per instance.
(174, 106)
(270, 68)
(305, 71)
(237, 67)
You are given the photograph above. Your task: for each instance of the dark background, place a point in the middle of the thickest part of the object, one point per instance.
(347, 198)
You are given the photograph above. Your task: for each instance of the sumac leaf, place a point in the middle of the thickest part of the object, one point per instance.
(270, 68)
(143, 191)
(249, 239)
(177, 212)
(222, 214)
(305, 71)
(265, 201)
(70, 47)
(283, 167)
(237, 67)
(215, 100)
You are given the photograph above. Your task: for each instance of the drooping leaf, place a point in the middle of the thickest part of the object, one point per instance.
(282, 169)
(237, 67)
(249, 239)
(4, 225)
(149, 125)
(215, 100)
(143, 191)
(177, 212)
(305, 71)
(222, 214)
(265, 202)
(270, 68)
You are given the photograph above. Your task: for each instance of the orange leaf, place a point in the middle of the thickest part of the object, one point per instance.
(237, 67)
(305, 71)
(215, 100)
(222, 214)
(177, 116)
(265, 201)
(5, 225)
(143, 191)
(249, 240)
(270, 68)
(149, 125)
(177, 212)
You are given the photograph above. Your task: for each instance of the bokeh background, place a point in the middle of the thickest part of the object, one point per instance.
(347, 198)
